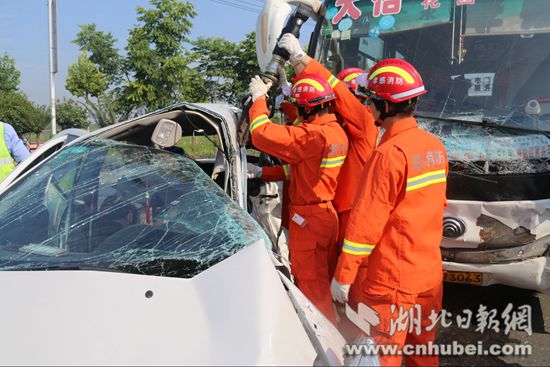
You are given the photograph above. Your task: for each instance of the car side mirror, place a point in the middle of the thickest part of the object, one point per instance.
(167, 133)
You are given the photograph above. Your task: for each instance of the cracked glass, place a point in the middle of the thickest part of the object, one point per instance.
(491, 150)
(112, 206)
(485, 63)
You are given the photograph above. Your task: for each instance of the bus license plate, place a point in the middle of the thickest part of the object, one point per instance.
(463, 278)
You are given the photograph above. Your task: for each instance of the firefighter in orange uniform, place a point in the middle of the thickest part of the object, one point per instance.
(315, 151)
(279, 172)
(397, 217)
(359, 125)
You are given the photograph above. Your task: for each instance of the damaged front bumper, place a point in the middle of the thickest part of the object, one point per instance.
(524, 266)
(534, 249)
(529, 274)
(505, 242)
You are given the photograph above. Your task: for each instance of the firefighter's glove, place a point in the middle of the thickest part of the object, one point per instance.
(339, 291)
(253, 171)
(290, 43)
(258, 88)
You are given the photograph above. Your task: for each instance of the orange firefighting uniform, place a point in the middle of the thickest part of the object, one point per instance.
(362, 134)
(397, 221)
(315, 152)
(282, 172)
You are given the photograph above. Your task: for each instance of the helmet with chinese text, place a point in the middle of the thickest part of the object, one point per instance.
(393, 80)
(310, 90)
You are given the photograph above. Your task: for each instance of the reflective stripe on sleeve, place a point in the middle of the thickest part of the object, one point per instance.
(355, 248)
(426, 179)
(332, 81)
(258, 121)
(333, 162)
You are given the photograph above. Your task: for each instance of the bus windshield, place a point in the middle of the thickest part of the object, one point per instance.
(481, 60)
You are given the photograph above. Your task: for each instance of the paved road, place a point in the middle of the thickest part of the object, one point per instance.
(461, 297)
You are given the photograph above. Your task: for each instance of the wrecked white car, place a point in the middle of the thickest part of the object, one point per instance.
(118, 248)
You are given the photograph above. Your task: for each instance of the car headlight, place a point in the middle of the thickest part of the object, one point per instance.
(453, 227)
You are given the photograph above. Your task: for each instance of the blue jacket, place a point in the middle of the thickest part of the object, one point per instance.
(15, 145)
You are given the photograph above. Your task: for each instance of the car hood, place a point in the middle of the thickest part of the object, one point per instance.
(236, 312)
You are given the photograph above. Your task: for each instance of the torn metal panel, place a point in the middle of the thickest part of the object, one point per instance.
(499, 224)
(106, 204)
(495, 234)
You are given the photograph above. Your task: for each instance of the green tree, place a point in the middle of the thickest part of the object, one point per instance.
(157, 69)
(84, 78)
(156, 61)
(13, 109)
(227, 67)
(101, 50)
(195, 88)
(9, 75)
(108, 110)
(38, 117)
(247, 64)
(70, 114)
(216, 58)
(22, 114)
(87, 81)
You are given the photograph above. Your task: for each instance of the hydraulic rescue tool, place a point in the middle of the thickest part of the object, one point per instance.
(271, 58)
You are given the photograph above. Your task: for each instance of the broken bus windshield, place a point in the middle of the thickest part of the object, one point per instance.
(483, 60)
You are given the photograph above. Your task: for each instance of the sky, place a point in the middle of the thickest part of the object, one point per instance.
(24, 32)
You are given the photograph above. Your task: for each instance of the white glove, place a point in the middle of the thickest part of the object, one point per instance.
(253, 171)
(290, 43)
(339, 291)
(258, 88)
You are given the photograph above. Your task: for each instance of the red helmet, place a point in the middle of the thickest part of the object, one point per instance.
(349, 77)
(394, 80)
(310, 90)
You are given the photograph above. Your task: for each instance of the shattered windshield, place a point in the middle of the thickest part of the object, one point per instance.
(482, 151)
(109, 205)
(481, 61)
